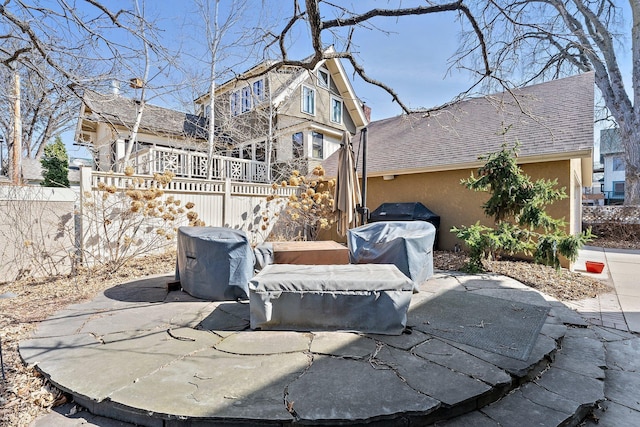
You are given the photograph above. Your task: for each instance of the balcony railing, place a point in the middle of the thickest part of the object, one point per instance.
(191, 164)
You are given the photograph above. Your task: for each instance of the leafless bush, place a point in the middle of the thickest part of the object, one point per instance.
(37, 232)
(122, 225)
(620, 231)
(304, 213)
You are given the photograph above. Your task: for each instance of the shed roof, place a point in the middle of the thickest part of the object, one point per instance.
(552, 121)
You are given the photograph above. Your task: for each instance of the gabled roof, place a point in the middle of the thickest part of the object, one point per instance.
(298, 76)
(552, 121)
(121, 111)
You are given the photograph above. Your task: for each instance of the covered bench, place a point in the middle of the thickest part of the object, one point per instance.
(369, 298)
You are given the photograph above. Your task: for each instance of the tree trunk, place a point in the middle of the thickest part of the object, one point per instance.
(631, 143)
(16, 158)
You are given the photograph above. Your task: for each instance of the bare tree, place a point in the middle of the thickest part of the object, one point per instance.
(505, 43)
(216, 27)
(61, 48)
(543, 39)
(46, 108)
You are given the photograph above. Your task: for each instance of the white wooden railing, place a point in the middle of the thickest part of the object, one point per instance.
(219, 203)
(192, 164)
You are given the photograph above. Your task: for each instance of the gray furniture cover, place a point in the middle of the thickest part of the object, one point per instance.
(264, 255)
(214, 263)
(368, 298)
(406, 244)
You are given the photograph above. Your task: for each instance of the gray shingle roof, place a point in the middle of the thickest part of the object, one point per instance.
(557, 122)
(121, 111)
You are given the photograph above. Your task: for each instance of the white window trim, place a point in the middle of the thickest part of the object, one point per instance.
(235, 101)
(321, 81)
(302, 98)
(246, 99)
(335, 98)
(257, 98)
(321, 147)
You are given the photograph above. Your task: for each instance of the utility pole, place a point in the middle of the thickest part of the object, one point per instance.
(16, 160)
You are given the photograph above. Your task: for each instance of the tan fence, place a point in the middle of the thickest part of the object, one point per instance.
(44, 231)
(225, 203)
(37, 231)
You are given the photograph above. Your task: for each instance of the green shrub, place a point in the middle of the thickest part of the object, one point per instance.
(517, 204)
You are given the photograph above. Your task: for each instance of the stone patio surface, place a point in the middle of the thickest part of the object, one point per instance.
(139, 354)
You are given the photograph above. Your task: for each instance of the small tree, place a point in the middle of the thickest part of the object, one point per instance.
(517, 205)
(55, 165)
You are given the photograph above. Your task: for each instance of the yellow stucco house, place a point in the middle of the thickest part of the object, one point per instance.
(423, 157)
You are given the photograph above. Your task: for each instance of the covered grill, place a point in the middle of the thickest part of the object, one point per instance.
(412, 211)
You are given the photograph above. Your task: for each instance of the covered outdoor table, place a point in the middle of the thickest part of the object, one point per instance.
(214, 263)
(365, 298)
(406, 244)
(322, 252)
(310, 253)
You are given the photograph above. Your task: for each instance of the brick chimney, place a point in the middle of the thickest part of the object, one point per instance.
(367, 112)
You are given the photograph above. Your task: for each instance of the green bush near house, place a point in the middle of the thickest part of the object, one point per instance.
(517, 205)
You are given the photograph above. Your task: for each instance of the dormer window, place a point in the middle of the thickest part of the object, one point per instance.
(323, 78)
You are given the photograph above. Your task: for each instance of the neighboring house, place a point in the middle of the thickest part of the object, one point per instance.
(166, 138)
(75, 163)
(612, 154)
(286, 118)
(297, 115)
(32, 171)
(423, 157)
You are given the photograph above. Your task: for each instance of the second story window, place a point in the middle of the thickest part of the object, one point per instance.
(618, 163)
(258, 90)
(298, 145)
(246, 99)
(336, 110)
(308, 100)
(234, 102)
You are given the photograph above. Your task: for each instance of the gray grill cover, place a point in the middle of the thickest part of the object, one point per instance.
(406, 244)
(214, 263)
(366, 298)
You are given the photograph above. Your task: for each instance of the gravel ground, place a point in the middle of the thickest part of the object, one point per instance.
(25, 394)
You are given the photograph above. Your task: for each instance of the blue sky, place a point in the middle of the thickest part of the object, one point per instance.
(410, 54)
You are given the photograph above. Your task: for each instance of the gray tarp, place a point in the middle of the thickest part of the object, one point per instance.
(214, 263)
(264, 255)
(366, 298)
(406, 244)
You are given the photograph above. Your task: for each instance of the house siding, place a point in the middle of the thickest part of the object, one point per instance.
(442, 193)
